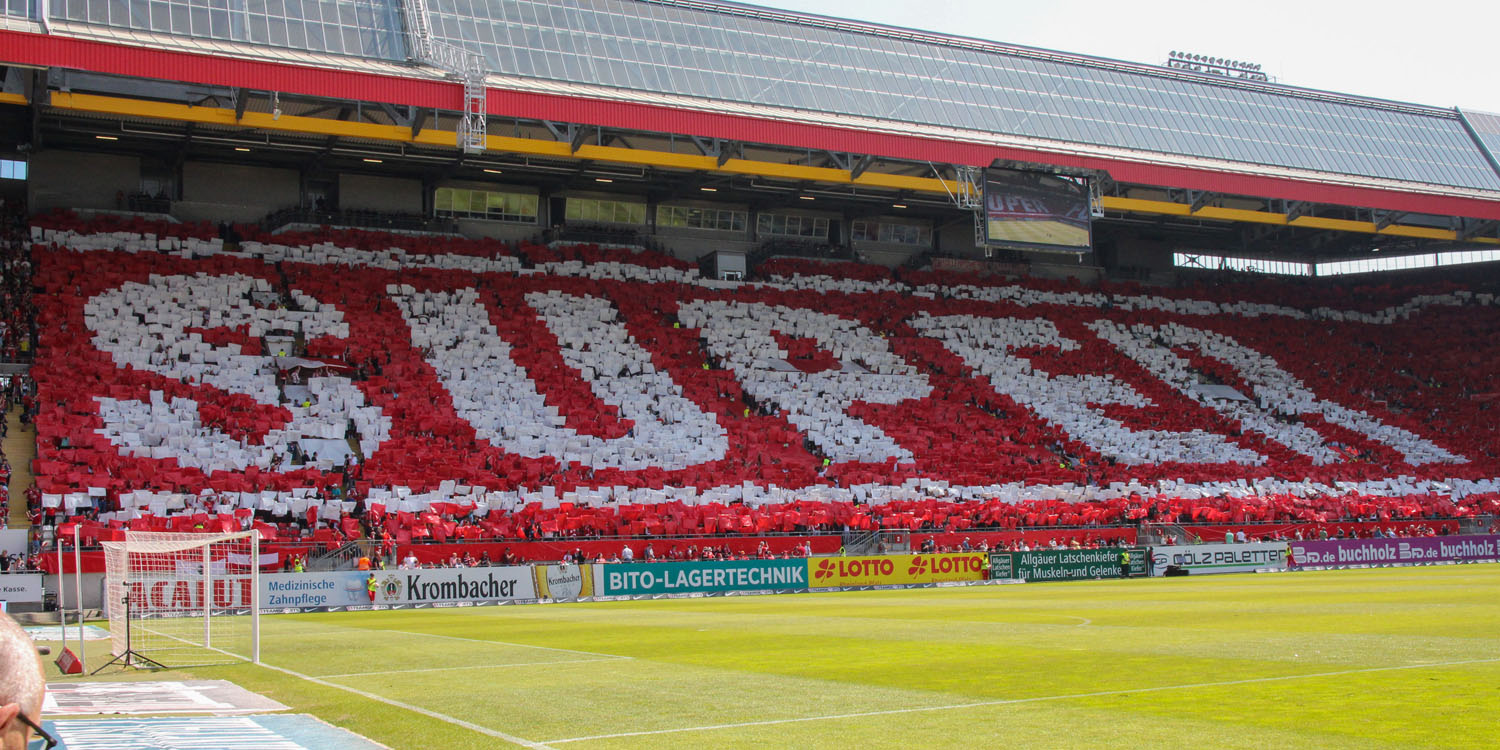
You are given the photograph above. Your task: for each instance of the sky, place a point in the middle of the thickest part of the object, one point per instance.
(1439, 53)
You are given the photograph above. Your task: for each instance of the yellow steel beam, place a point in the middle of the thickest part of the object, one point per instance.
(1138, 205)
(504, 144)
(1141, 206)
(669, 160)
(8, 98)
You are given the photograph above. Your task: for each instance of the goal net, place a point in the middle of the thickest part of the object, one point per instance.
(181, 599)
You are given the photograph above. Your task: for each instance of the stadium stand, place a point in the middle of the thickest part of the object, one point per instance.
(559, 398)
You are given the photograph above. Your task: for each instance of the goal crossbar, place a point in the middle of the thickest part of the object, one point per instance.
(184, 599)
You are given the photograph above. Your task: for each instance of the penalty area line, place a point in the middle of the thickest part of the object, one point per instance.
(470, 666)
(1012, 701)
(469, 725)
(504, 643)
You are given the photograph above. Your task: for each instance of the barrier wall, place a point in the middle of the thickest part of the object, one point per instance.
(294, 592)
(1201, 559)
(1345, 553)
(1066, 564)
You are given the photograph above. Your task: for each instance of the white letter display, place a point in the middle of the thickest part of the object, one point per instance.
(1276, 392)
(1070, 401)
(504, 406)
(740, 335)
(146, 326)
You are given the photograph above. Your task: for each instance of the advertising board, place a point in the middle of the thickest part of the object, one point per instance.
(396, 587)
(21, 587)
(1330, 553)
(564, 583)
(1202, 559)
(890, 570)
(1066, 564)
(710, 576)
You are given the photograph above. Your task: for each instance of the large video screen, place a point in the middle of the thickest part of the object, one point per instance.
(1037, 211)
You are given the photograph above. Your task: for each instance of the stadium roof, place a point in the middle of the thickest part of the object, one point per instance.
(784, 70)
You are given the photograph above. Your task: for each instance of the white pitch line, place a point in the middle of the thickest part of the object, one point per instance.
(505, 643)
(472, 666)
(1010, 701)
(416, 709)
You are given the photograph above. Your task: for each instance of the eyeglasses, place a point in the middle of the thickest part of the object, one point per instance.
(46, 737)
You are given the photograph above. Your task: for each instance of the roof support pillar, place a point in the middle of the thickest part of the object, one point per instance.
(860, 166)
(1468, 229)
(1199, 200)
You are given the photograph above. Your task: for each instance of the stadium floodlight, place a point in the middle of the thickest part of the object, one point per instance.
(1221, 66)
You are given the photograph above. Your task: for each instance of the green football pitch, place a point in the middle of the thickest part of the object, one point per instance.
(1389, 658)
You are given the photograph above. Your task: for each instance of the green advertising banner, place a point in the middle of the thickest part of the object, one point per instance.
(631, 579)
(1066, 564)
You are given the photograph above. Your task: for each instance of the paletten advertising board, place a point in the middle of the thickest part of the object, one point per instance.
(717, 576)
(1066, 564)
(895, 570)
(1203, 559)
(1334, 553)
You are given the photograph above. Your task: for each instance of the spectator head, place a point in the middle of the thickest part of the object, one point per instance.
(22, 685)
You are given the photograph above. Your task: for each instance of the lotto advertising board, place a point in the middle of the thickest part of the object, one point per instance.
(1342, 553)
(1066, 564)
(892, 570)
(719, 576)
(437, 587)
(1202, 559)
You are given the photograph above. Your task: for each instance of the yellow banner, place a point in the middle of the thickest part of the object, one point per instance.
(886, 570)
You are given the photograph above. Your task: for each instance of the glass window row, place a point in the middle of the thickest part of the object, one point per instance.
(1374, 264)
(460, 203)
(891, 232)
(717, 219)
(1244, 265)
(12, 170)
(369, 28)
(789, 225)
(664, 49)
(605, 211)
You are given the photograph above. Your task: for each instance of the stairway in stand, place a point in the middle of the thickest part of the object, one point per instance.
(19, 448)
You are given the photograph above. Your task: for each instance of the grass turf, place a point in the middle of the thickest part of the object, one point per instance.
(1387, 658)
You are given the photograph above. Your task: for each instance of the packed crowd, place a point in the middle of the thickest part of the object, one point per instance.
(959, 386)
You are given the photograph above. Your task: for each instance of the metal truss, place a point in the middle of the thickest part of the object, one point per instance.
(460, 64)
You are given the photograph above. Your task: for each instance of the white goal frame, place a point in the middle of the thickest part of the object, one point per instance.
(194, 599)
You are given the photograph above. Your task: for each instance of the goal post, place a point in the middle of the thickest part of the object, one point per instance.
(183, 599)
